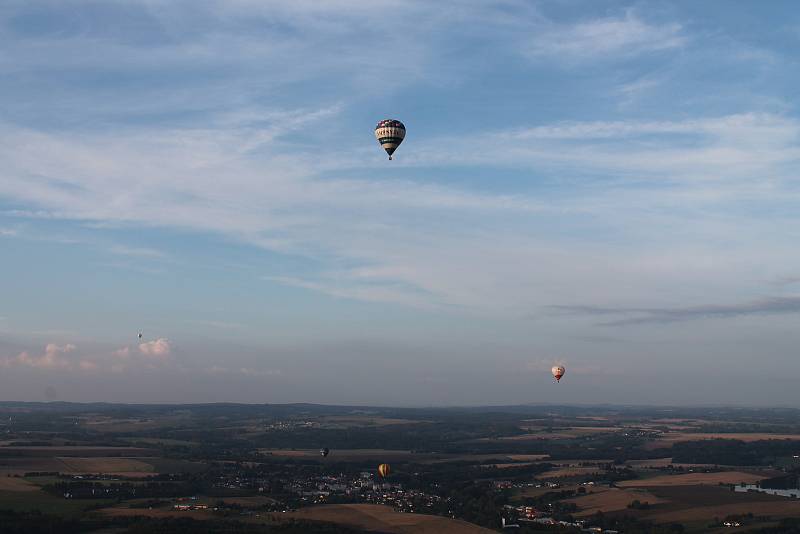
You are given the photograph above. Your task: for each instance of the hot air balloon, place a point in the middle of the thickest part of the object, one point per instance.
(325, 451)
(384, 470)
(558, 372)
(390, 133)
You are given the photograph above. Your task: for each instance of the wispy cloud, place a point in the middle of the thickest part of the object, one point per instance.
(649, 85)
(632, 316)
(544, 365)
(786, 280)
(229, 165)
(222, 325)
(604, 39)
(737, 144)
(351, 286)
(246, 371)
(392, 232)
(139, 252)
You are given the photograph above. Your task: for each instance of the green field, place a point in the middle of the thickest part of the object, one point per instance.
(45, 503)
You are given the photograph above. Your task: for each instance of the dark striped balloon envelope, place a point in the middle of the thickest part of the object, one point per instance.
(390, 133)
(384, 470)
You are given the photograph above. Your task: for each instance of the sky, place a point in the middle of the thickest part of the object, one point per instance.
(611, 186)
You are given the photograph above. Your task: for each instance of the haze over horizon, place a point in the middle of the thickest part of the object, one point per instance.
(609, 185)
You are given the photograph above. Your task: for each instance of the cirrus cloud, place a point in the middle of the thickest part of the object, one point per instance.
(612, 37)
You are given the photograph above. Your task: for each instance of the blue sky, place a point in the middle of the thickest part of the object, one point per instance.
(607, 185)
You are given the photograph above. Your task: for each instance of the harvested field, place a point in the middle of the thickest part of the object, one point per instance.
(519, 459)
(567, 433)
(349, 454)
(132, 467)
(662, 462)
(294, 453)
(345, 421)
(577, 462)
(163, 442)
(654, 463)
(528, 457)
(788, 508)
(689, 496)
(25, 465)
(78, 450)
(666, 440)
(43, 502)
(741, 436)
(703, 503)
(170, 465)
(527, 437)
(611, 499)
(681, 420)
(538, 492)
(16, 484)
(657, 427)
(249, 502)
(157, 512)
(588, 430)
(692, 479)
(110, 424)
(106, 465)
(570, 472)
(385, 519)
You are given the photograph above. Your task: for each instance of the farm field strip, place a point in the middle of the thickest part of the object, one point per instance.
(611, 500)
(786, 508)
(692, 479)
(339, 453)
(385, 519)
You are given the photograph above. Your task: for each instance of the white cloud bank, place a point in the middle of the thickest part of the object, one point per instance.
(156, 349)
(69, 358)
(54, 357)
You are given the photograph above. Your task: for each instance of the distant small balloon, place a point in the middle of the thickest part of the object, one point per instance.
(390, 133)
(558, 372)
(384, 470)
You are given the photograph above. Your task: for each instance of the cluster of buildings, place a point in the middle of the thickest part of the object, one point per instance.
(531, 514)
(362, 488)
(507, 484)
(512, 524)
(290, 425)
(189, 506)
(321, 489)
